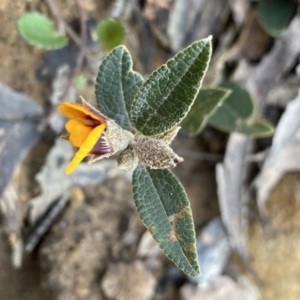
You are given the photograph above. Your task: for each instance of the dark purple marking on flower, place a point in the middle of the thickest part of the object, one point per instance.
(101, 147)
(177, 160)
(91, 122)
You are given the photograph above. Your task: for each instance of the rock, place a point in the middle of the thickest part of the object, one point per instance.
(148, 247)
(213, 251)
(128, 281)
(223, 288)
(78, 248)
(149, 251)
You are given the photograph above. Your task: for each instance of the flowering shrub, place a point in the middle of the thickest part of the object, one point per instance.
(138, 120)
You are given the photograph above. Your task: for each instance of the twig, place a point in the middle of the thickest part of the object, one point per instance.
(46, 223)
(16, 243)
(147, 36)
(73, 35)
(61, 24)
(11, 213)
(55, 13)
(81, 42)
(82, 23)
(199, 155)
(83, 49)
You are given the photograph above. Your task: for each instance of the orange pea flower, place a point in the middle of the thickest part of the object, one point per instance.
(90, 131)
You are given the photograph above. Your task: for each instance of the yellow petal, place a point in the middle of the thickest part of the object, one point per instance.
(78, 132)
(85, 148)
(79, 111)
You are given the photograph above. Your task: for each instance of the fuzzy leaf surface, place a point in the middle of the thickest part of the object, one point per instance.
(257, 129)
(236, 109)
(167, 95)
(117, 85)
(110, 33)
(38, 30)
(207, 102)
(275, 15)
(165, 210)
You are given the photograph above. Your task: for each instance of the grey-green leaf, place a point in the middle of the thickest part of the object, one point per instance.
(275, 15)
(258, 129)
(238, 106)
(165, 210)
(206, 103)
(167, 95)
(38, 30)
(117, 85)
(234, 112)
(80, 82)
(110, 33)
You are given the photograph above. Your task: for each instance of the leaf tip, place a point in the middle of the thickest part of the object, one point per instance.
(123, 47)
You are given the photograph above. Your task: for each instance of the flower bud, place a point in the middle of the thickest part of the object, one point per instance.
(155, 153)
(127, 160)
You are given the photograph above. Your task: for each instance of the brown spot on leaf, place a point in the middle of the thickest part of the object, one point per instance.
(186, 211)
(192, 248)
(172, 236)
(152, 229)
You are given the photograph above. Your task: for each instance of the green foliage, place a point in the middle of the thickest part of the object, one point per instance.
(275, 15)
(80, 82)
(110, 33)
(38, 30)
(236, 108)
(167, 95)
(154, 108)
(233, 114)
(257, 129)
(165, 210)
(116, 86)
(207, 102)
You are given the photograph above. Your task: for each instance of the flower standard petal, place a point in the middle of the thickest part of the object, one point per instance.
(86, 147)
(80, 112)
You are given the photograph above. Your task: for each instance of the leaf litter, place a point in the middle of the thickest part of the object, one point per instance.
(19, 120)
(282, 156)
